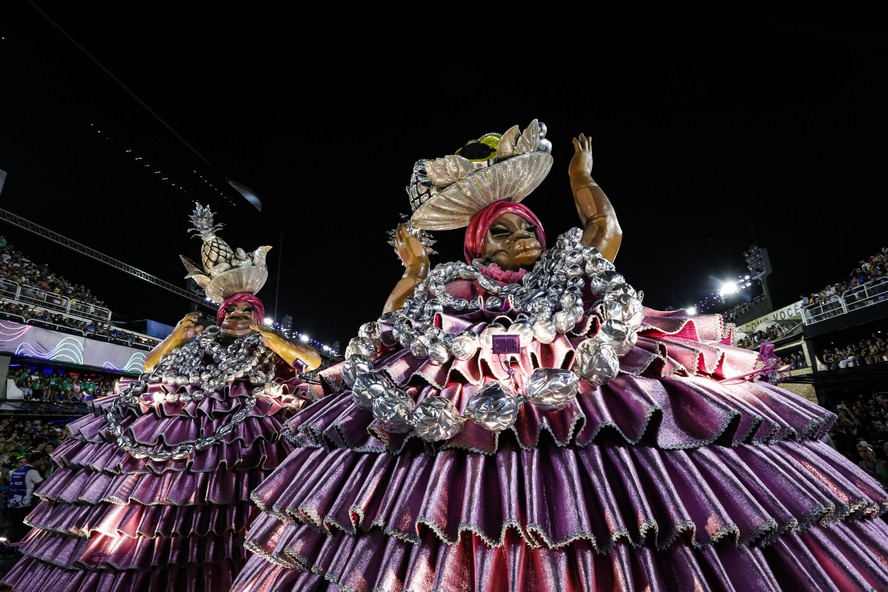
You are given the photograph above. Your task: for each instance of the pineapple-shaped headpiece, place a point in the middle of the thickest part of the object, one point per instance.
(226, 271)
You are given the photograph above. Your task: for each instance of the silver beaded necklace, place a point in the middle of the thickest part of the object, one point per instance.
(548, 302)
(206, 364)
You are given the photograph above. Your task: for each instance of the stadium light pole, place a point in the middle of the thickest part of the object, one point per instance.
(759, 265)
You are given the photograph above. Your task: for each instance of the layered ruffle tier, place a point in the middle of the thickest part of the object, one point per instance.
(684, 472)
(112, 521)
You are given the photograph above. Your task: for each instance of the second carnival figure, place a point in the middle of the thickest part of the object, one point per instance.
(520, 421)
(152, 490)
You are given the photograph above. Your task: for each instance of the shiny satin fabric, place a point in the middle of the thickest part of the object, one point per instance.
(676, 475)
(108, 521)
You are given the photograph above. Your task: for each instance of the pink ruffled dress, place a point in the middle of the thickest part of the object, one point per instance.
(155, 496)
(684, 471)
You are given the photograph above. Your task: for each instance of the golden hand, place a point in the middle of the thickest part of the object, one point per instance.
(184, 330)
(409, 249)
(188, 327)
(581, 162)
(415, 259)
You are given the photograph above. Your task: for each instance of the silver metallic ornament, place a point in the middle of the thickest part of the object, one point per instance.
(564, 321)
(524, 331)
(621, 303)
(493, 408)
(552, 388)
(596, 361)
(486, 336)
(419, 347)
(544, 331)
(436, 419)
(368, 386)
(465, 345)
(360, 346)
(617, 335)
(602, 281)
(369, 331)
(393, 410)
(438, 353)
(594, 262)
(355, 365)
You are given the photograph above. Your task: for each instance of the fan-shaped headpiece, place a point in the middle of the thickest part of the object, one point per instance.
(446, 192)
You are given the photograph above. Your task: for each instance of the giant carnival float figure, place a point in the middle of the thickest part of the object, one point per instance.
(520, 421)
(152, 490)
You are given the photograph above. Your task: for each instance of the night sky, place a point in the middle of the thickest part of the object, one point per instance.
(710, 134)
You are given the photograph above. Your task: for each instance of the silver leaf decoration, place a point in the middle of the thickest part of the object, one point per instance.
(419, 347)
(564, 321)
(486, 337)
(622, 304)
(619, 291)
(494, 303)
(602, 281)
(360, 346)
(438, 353)
(524, 332)
(369, 331)
(488, 284)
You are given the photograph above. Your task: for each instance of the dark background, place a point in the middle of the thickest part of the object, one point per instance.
(710, 133)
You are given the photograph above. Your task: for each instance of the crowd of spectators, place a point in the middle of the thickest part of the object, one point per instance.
(19, 268)
(861, 432)
(19, 439)
(861, 352)
(858, 352)
(790, 360)
(876, 266)
(36, 282)
(61, 386)
(739, 311)
(795, 360)
(57, 321)
(20, 436)
(772, 332)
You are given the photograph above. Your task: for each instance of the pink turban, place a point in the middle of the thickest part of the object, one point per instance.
(258, 307)
(473, 246)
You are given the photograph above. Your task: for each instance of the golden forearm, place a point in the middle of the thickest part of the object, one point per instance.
(172, 342)
(401, 292)
(601, 227)
(291, 351)
(416, 269)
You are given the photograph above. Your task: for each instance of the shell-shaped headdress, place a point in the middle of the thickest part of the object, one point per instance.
(224, 271)
(446, 192)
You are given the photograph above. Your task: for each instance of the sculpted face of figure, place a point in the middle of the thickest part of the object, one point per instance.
(237, 320)
(511, 242)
